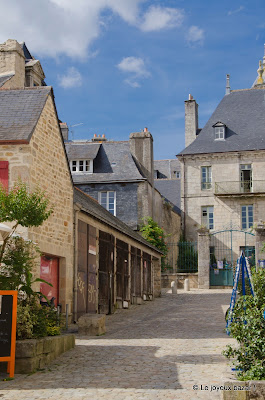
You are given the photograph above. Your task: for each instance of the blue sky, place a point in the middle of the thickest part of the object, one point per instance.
(118, 66)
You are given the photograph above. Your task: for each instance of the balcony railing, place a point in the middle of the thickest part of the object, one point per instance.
(239, 188)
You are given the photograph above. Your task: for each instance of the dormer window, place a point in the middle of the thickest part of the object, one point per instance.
(81, 166)
(219, 131)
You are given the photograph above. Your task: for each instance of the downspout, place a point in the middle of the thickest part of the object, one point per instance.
(184, 199)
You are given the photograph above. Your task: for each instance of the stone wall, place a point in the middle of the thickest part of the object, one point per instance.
(34, 354)
(49, 169)
(43, 163)
(12, 60)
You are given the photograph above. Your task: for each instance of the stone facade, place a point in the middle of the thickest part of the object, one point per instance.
(43, 163)
(227, 209)
(12, 61)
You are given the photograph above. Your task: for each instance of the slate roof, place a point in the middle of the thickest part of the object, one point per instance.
(113, 163)
(82, 150)
(5, 78)
(166, 168)
(170, 190)
(243, 112)
(93, 208)
(20, 111)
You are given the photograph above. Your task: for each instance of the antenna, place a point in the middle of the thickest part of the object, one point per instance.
(72, 126)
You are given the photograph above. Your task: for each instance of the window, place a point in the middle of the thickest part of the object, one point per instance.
(247, 216)
(108, 201)
(206, 178)
(177, 174)
(85, 166)
(219, 133)
(207, 217)
(246, 178)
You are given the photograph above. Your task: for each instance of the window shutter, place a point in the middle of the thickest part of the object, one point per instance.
(4, 173)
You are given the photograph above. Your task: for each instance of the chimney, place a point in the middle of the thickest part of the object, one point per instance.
(191, 120)
(227, 89)
(12, 62)
(99, 139)
(64, 130)
(141, 147)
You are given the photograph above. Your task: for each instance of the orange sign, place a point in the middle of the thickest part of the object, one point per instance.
(8, 322)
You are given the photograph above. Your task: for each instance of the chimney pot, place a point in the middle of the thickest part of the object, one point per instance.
(103, 136)
(190, 97)
(145, 129)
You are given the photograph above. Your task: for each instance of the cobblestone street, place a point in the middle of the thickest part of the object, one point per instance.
(159, 350)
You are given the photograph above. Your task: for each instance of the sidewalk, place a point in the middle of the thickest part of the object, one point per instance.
(160, 350)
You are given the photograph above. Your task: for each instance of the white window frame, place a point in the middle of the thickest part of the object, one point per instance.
(219, 133)
(108, 201)
(177, 174)
(207, 216)
(206, 177)
(79, 166)
(247, 216)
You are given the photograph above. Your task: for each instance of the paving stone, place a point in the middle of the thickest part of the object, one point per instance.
(156, 351)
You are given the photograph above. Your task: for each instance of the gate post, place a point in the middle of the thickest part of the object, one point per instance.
(260, 241)
(203, 258)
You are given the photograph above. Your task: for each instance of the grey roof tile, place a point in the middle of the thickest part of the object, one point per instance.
(113, 163)
(82, 150)
(20, 111)
(93, 208)
(167, 167)
(170, 190)
(243, 112)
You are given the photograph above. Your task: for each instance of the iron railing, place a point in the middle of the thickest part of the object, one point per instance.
(239, 187)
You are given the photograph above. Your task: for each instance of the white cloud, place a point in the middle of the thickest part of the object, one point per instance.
(69, 27)
(157, 18)
(71, 79)
(231, 12)
(135, 67)
(195, 35)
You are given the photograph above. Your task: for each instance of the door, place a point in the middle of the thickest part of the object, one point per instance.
(136, 272)
(122, 273)
(246, 178)
(106, 273)
(49, 271)
(147, 274)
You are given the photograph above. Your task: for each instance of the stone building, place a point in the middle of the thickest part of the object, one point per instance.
(120, 175)
(94, 261)
(222, 169)
(32, 149)
(114, 265)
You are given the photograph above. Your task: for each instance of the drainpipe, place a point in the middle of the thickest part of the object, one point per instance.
(184, 200)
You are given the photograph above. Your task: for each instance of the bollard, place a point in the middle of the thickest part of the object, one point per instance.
(186, 285)
(174, 287)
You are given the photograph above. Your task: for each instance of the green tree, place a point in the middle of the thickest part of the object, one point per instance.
(155, 235)
(22, 207)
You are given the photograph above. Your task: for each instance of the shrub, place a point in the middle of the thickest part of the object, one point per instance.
(155, 235)
(248, 328)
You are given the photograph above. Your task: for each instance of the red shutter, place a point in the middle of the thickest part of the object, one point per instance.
(4, 173)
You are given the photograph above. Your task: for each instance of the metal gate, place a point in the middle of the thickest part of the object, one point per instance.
(106, 273)
(225, 247)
